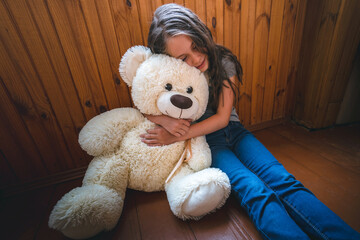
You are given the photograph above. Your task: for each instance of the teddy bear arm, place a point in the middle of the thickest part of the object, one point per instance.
(201, 154)
(103, 133)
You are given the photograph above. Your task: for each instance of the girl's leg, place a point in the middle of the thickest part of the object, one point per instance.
(263, 206)
(310, 214)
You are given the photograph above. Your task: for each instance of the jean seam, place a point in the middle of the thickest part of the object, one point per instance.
(282, 199)
(313, 226)
(316, 229)
(247, 207)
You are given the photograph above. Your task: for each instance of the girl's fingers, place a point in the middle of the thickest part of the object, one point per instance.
(186, 123)
(177, 134)
(151, 131)
(152, 142)
(148, 136)
(180, 132)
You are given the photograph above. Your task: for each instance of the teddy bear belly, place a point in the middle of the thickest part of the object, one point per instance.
(148, 166)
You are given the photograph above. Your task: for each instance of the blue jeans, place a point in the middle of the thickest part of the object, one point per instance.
(278, 204)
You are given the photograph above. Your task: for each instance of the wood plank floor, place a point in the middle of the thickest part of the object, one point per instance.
(325, 161)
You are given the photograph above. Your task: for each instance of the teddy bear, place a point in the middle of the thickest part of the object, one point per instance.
(159, 85)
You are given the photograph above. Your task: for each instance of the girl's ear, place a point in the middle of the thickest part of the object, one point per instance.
(131, 61)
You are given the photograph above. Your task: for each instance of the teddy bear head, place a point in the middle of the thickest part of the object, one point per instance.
(161, 84)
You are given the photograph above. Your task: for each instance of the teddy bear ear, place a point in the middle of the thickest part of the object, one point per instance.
(131, 61)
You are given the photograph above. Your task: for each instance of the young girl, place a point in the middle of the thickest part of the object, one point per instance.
(279, 205)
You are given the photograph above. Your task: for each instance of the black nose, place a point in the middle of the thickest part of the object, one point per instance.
(181, 101)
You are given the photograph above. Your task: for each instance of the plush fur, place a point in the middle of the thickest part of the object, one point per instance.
(122, 161)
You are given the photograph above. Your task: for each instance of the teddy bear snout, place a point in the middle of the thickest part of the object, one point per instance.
(181, 101)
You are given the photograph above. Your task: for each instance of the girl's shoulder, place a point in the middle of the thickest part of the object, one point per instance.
(229, 66)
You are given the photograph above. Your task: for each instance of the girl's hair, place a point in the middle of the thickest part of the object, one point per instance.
(170, 20)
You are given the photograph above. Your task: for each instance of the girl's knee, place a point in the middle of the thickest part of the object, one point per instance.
(247, 182)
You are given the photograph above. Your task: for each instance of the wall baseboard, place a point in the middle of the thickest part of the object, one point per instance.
(43, 182)
(267, 124)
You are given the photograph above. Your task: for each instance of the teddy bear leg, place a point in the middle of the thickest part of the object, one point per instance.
(85, 211)
(194, 195)
(97, 205)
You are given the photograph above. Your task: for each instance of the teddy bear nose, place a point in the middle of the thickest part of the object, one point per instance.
(181, 101)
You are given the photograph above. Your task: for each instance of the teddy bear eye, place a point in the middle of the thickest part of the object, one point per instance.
(168, 86)
(189, 90)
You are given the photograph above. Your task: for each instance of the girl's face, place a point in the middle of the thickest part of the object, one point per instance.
(182, 47)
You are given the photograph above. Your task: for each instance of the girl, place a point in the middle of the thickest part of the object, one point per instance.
(279, 205)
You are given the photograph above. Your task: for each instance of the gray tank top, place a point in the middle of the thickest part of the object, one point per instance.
(229, 67)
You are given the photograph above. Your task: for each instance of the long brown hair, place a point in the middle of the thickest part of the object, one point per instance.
(170, 20)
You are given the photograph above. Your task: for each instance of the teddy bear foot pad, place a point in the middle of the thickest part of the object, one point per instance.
(198, 194)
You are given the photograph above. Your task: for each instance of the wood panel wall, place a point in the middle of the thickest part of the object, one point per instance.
(331, 37)
(59, 68)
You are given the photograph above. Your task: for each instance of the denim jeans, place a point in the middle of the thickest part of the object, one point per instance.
(278, 204)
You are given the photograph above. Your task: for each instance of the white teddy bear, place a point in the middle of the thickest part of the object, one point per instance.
(160, 85)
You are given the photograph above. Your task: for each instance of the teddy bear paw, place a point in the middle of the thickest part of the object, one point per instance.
(199, 193)
(203, 199)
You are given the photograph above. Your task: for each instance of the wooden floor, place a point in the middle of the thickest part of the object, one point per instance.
(326, 161)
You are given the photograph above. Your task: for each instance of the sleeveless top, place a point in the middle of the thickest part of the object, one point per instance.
(230, 70)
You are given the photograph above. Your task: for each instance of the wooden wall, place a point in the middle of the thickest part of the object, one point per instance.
(331, 37)
(59, 68)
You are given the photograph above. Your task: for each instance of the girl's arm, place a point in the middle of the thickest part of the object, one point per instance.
(158, 136)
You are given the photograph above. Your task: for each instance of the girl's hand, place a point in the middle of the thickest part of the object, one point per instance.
(157, 136)
(176, 127)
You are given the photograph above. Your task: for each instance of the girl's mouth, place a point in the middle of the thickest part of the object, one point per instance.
(201, 65)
